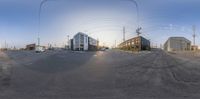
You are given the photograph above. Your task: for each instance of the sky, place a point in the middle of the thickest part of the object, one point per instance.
(100, 19)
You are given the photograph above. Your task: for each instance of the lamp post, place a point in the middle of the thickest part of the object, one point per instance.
(68, 42)
(138, 18)
(39, 18)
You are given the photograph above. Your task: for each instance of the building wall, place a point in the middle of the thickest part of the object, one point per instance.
(83, 42)
(92, 41)
(166, 45)
(80, 42)
(145, 44)
(31, 47)
(137, 44)
(93, 44)
(177, 44)
(72, 44)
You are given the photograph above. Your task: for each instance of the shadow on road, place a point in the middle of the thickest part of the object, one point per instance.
(60, 62)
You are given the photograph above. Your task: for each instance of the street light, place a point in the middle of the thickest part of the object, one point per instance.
(39, 18)
(138, 17)
(68, 42)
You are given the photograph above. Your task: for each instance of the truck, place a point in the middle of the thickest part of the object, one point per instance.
(39, 49)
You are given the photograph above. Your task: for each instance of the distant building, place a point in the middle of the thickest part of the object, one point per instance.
(135, 44)
(177, 44)
(82, 42)
(194, 48)
(31, 47)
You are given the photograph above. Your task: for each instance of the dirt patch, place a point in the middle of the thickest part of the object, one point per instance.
(5, 70)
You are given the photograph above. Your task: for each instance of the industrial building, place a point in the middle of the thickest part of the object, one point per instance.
(82, 42)
(31, 47)
(194, 47)
(135, 44)
(177, 44)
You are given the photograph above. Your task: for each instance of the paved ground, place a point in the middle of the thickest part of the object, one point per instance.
(98, 75)
(187, 55)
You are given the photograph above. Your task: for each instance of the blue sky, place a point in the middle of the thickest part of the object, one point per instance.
(102, 19)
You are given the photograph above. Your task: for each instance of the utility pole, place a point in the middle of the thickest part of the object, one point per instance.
(68, 41)
(39, 20)
(5, 45)
(124, 32)
(194, 34)
(98, 44)
(115, 44)
(138, 17)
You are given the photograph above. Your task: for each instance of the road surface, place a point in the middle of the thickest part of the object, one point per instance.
(98, 75)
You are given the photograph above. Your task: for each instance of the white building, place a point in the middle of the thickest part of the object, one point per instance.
(82, 42)
(177, 44)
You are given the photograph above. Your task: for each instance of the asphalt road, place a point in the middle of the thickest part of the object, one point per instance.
(99, 75)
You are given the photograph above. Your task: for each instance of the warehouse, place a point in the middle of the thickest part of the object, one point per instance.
(82, 42)
(177, 44)
(135, 44)
(31, 47)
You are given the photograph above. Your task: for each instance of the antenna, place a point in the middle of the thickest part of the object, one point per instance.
(138, 31)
